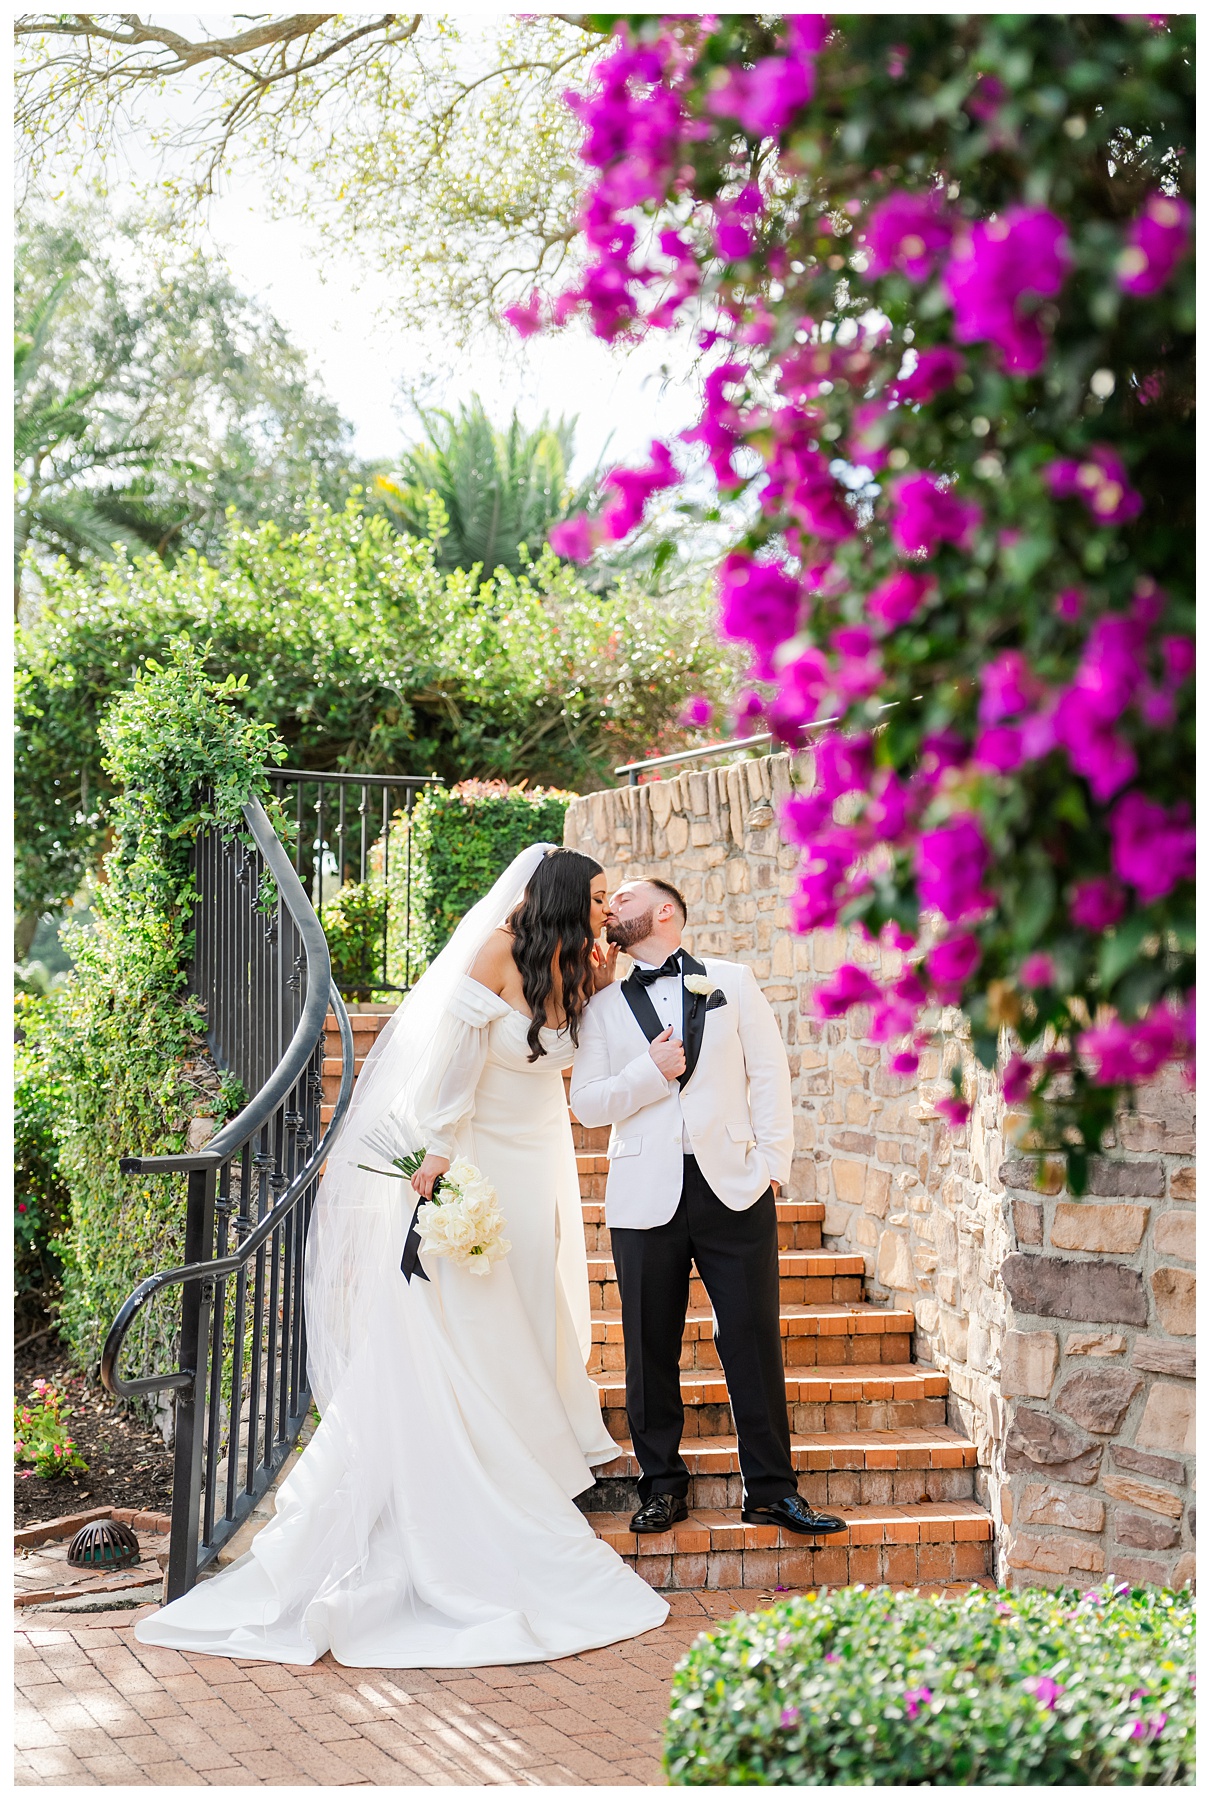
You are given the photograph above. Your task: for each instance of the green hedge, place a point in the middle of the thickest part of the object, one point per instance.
(462, 839)
(862, 1688)
(41, 1202)
(125, 1042)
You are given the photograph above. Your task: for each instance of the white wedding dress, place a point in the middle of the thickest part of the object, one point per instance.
(429, 1522)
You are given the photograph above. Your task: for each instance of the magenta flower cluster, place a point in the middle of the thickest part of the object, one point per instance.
(662, 227)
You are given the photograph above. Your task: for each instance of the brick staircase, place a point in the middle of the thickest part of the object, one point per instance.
(868, 1431)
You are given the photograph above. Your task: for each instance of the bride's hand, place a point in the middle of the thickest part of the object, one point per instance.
(604, 962)
(427, 1173)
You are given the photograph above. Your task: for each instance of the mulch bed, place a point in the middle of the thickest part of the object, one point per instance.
(128, 1464)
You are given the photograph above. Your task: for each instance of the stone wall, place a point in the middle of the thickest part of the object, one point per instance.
(1064, 1327)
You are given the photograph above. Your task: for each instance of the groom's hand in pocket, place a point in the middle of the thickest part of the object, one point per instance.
(668, 1054)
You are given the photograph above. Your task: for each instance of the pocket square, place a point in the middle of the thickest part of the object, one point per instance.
(717, 998)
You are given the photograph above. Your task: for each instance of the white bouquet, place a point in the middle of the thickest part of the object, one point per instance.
(462, 1220)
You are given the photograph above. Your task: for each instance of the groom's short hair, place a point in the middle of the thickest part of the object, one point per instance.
(673, 894)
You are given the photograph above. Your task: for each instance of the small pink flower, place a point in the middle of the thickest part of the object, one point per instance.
(926, 515)
(897, 600)
(904, 1063)
(1069, 604)
(1155, 243)
(935, 370)
(525, 319)
(996, 276)
(1044, 1689)
(696, 713)
(1097, 904)
(850, 986)
(916, 1698)
(951, 964)
(1017, 1082)
(907, 233)
(1038, 971)
(789, 1716)
(1100, 480)
(572, 538)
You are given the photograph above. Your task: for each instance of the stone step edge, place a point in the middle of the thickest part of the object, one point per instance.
(910, 1448)
(937, 1522)
(27, 1537)
(804, 1264)
(789, 1212)
(845, 1382)
(856, 1318)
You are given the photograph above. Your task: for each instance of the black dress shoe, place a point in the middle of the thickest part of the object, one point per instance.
(660, 1513)
(793, 1514)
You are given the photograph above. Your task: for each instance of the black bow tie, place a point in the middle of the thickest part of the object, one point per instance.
(645, 977)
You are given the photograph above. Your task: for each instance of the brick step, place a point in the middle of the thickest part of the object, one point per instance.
(807, 1278)
(824, 1336)
(589, 1139)
(881, 1398)
(799, 1224)
(836, 1470)
(948, 1541)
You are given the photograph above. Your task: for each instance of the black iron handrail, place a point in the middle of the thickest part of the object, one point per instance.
(259, 1158)
(340, 830)
(760, 737)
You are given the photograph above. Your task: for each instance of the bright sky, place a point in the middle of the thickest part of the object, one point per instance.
(621, 397)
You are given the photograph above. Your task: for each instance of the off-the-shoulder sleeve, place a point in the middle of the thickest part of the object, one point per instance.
(452, 1102)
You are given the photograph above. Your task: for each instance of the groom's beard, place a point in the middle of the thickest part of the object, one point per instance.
(624, 932)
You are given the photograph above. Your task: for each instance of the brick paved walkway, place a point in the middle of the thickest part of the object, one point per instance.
(97, 1709)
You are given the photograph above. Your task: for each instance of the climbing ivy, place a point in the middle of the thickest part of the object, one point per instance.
(126, 1041)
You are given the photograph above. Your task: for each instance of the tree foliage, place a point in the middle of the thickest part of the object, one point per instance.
(152, 396)
(363, 655)
(442, 153)
(500, 490)
(948, 306)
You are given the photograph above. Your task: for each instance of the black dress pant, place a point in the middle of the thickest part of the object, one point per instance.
(736, 1257)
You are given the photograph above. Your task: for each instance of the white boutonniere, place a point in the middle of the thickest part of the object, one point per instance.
(700, 985)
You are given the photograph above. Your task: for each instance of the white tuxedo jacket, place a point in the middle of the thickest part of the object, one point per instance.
(735, 1109)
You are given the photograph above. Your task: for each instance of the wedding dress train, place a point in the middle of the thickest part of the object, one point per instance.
(429, 1522)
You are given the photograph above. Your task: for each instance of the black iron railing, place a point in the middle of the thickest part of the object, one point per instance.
(242, 1396)
(345, 825)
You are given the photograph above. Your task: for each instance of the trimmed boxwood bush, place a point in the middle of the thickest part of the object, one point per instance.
(466, 836)
(866, 1688)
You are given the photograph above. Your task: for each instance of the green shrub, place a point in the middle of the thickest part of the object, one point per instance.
(462, 839)
(125, 1042)
(41, 1441)
(41, 1203)
(353, 923)
(865, 1688)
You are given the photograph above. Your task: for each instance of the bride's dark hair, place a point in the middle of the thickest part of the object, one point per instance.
(554, 916)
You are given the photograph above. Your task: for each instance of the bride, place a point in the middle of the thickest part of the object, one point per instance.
(430, 1520)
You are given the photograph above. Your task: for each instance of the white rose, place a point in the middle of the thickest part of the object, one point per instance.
(698, 984)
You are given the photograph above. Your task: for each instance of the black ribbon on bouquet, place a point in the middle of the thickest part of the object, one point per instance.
(410, 1262)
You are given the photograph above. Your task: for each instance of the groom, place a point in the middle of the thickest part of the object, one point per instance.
(685, 1060)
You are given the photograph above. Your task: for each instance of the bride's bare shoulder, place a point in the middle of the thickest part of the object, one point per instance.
(494, 962)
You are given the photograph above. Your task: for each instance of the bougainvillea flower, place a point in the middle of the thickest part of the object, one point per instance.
(1155, 244)
(926, 515)
(886, 814)
(734, 227)
(759, 603)
(1009, 687)
(907, 233)
(1016, 1083)
(1000, 747)
(635, 487)
(1151, 848)
(823, 882)
(572, 538)
(1037, 970)
(526, 319)
(850, 986)
(955, 1112)
(951, 964)
(897, 600)
(1044, 1688)
(764, 98)
(696, 713)
(798, 702)
(997, 273)
(951, 863)
(1128, 1052)
(1100, 480)
(935, 370)
(1069, 604)
(1097, 904)
(842, 764)
(1094, 748)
